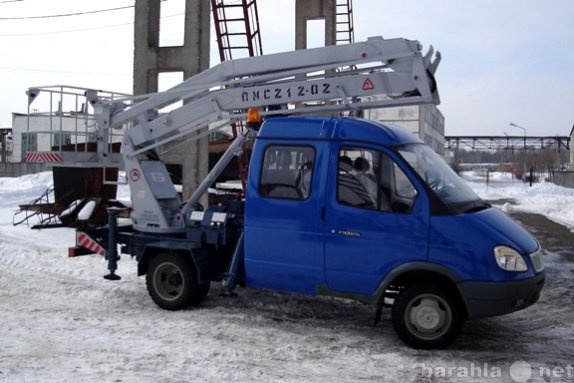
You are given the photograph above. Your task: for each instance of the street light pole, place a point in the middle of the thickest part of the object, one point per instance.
(520, 127)
(524, 154)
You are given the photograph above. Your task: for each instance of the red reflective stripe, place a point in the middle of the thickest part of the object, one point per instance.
(44, 157)
(84, 240)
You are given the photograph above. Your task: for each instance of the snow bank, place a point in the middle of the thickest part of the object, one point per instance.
(23, 189)
(553, 201)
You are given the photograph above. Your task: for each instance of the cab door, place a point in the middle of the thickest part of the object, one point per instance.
(284, 232)
(375, 219)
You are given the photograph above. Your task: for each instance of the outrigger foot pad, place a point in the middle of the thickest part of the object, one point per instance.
(112, 277)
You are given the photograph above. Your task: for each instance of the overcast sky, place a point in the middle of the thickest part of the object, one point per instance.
(503, 60)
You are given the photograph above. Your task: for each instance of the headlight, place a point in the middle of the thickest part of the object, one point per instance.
(509, 259)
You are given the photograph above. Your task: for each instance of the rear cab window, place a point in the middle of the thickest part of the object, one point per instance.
(287, 172)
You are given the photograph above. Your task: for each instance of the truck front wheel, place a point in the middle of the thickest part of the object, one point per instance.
(426, 316)
(172, 282)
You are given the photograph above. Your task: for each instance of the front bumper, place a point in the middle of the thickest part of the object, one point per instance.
(483, 299)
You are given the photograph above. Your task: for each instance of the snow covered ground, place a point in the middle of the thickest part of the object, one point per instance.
(60, 321)
(553, 201)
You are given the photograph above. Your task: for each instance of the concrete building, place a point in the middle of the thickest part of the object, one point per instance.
(424, 120)
(52, 133)
(38, 133)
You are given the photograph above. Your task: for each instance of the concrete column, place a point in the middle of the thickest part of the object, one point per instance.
(191, 58)
(146, 45)
(315, 10)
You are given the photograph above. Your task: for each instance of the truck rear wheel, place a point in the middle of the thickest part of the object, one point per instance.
(172, 282)
(427, 316)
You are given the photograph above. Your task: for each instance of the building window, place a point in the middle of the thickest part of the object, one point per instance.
(62, 139)
(29, 143)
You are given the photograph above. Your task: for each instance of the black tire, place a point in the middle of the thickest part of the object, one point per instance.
(427, 316)
(172, 282)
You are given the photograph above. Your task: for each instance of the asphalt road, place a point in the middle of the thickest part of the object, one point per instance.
(553, 237)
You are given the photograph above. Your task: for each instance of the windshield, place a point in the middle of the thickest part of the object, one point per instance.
(440, 178)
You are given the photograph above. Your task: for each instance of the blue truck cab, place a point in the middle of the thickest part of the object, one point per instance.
(363, 210)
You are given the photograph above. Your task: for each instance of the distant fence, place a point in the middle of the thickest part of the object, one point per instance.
(17, 169)
(564, 179)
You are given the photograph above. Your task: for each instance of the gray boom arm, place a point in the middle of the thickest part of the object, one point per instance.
(341, 73)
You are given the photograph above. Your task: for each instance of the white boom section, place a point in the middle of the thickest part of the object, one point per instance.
(334, 78)
(394, 67)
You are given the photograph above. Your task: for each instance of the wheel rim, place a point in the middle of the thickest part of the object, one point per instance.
(168, 281)
(428, 316)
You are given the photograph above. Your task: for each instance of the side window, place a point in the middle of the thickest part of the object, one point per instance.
(371, 180)
(397, 187)
(357, 183)
(287, 172)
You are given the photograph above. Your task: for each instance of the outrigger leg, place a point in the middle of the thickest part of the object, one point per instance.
(229, 281)
(112, 252)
